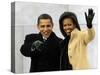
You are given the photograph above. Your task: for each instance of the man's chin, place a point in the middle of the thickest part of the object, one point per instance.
(46, 36)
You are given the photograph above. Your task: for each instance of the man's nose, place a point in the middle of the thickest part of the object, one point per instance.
(45, 28)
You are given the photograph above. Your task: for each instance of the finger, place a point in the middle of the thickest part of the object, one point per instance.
(93, 15)
(85, 15)
(90, 11)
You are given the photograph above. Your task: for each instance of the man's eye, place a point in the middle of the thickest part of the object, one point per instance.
(48, 25)
(42, 26)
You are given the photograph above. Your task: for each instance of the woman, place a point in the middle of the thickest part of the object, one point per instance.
(74, 51)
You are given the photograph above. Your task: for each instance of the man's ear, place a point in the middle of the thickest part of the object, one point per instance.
(52, 25)
(37, 26)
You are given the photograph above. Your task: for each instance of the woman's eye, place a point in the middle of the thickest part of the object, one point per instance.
(65, 25)
(69, 24)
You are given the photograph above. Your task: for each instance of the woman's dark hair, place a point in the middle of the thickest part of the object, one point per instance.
(70, 15)
(44, 16)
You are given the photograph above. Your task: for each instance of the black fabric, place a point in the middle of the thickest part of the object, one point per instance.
(89, 17)
(64, 63)
(46, 60)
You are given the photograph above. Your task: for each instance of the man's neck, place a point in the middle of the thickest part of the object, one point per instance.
(44, 38)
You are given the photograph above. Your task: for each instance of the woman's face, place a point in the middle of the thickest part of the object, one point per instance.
(68, 25)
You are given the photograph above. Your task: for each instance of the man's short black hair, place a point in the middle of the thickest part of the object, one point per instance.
(44, 16)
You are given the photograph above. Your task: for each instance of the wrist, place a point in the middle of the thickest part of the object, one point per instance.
(89, 25)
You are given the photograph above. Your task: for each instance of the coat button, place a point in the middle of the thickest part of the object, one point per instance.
(70, 56)
(69, 49)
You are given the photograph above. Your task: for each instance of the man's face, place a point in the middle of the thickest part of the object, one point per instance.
(45, 26)
(68, 26)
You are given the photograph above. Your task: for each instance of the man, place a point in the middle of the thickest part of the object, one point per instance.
(43, 48)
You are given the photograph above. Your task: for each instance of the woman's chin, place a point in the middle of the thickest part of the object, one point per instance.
(68, 34)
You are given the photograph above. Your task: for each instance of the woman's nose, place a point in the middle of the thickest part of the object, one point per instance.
(67, 27)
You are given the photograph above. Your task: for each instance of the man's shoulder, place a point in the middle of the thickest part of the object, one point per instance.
(33, 35)
(58, 38)
(63, 41)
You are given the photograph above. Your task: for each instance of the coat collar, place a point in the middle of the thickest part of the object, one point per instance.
(52, 36)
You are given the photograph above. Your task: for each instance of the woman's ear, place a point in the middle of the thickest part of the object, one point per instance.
(74, 25)
(52, 25)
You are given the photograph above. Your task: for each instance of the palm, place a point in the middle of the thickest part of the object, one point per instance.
(89, 17)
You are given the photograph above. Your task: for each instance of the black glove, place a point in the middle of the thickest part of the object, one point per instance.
(37, 46)
(89, 17)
